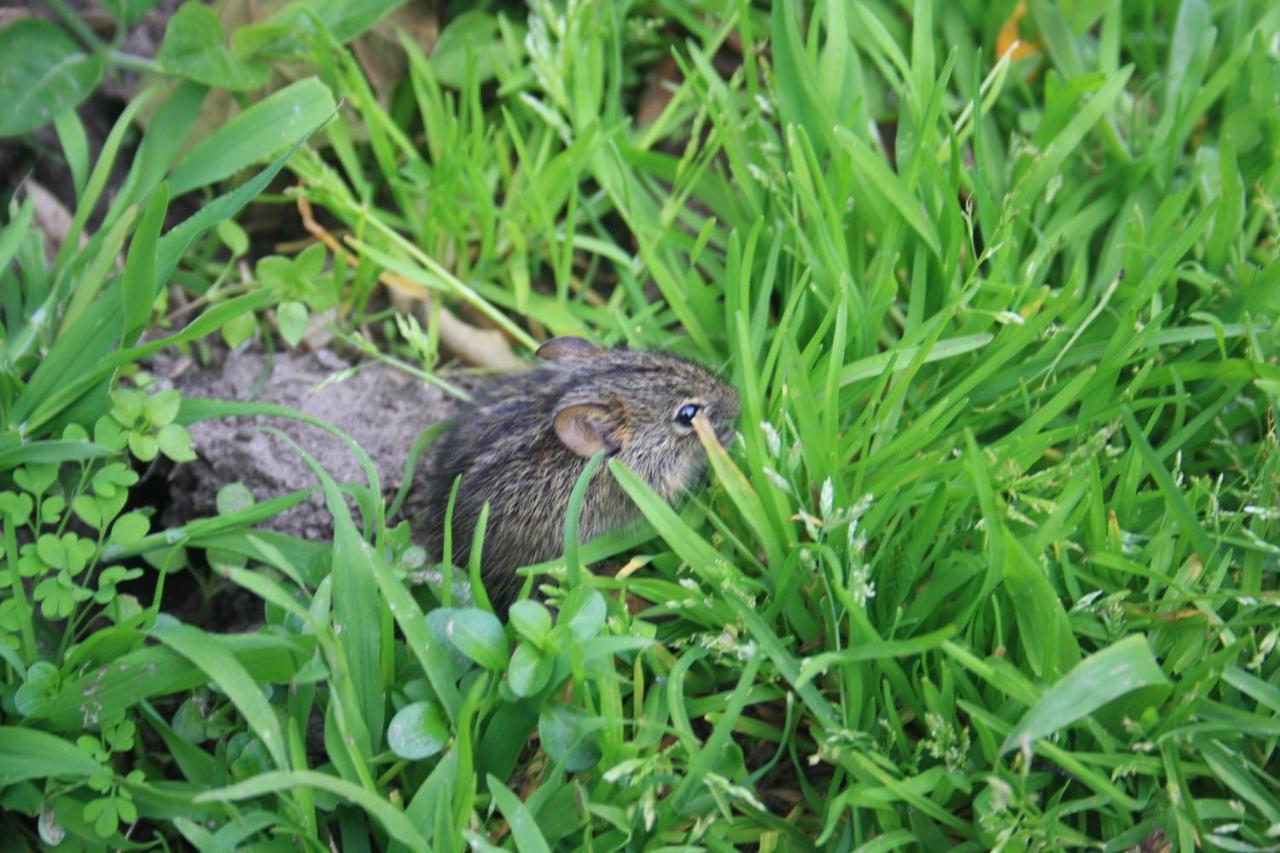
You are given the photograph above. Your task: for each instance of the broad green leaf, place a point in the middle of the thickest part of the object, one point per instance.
(160, 671)
(194, 47)
(44, 73)
(467, 46)
(357, 608)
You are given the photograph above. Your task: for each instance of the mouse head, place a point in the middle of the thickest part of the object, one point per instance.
(640, 407)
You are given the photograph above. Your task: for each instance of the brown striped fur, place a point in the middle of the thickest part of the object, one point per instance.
(505, 445)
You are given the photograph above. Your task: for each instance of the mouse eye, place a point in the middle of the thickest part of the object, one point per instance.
(686, 413)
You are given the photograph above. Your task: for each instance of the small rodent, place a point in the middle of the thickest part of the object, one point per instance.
(525, 438)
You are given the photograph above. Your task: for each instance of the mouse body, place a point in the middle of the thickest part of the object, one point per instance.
(524, 440)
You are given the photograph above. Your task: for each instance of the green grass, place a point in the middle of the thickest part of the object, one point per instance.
(992, 564)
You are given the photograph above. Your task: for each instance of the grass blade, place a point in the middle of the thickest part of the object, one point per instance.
(221, 667)
(1103, 676)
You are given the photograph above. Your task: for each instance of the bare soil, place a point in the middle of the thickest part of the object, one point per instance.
(381, 408)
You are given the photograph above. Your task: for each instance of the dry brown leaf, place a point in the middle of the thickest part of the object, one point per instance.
(657, 92)
(487, 348)
(1010, 37)
(379, 53)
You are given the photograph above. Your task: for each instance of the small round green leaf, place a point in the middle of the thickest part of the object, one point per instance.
(234, 497)
(418, 731)
(467, 47)
(16, 506)
(57, 597)
(239, 329)
(52, 508)
(162, 407)
(478, 635)
(87, 510)
(51, 550)
(250, 756)
(34, 694)
(233, 236)
(35, 477)
(310, 262)
(127, 405)
(130, 528)
(143, 446)
(175, 442)
(438, 623)
(531, 620)
(529, 672)
(292, 318)
(108, 433)
(189, 721)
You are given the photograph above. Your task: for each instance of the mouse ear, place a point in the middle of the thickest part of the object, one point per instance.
(584, 429)
(568, 348)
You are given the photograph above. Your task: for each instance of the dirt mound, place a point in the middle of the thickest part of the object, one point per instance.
(381, 408)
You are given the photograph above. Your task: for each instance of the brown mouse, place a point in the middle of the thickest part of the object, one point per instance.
(524, 440)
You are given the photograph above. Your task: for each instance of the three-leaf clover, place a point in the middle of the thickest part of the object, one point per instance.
(150, 424)
(301, 286)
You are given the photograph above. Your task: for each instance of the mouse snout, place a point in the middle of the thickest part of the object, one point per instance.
(724, 420)
(726, 434)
